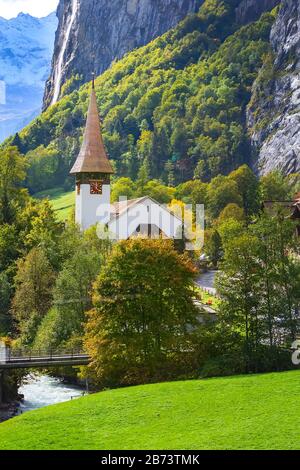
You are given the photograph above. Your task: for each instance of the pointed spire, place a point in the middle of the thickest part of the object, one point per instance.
(92, 157)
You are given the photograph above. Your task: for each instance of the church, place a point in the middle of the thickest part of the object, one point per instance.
(126, 218)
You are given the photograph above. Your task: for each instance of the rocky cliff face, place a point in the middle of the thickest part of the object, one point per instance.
(93, 33)
(251, 10)
(274, 112)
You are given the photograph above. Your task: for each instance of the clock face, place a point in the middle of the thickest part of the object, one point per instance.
(96, 187)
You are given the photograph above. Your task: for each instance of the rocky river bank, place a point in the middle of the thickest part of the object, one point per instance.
(9, 410)
(38, 391)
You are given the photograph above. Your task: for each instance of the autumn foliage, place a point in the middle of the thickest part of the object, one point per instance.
(140, 329)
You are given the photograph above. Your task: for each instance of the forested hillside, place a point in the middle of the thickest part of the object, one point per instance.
(173, 109)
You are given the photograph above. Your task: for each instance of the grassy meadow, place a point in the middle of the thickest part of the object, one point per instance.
(242, 412)
(63, 202)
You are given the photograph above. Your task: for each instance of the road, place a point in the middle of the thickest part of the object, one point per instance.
(206, 281)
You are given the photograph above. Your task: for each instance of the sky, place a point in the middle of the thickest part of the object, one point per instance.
(39, 8)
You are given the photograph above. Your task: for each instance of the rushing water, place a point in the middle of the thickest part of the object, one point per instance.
(59, 66)
(42, 390)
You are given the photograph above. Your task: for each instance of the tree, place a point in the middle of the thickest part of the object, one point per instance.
(5, 293)
(259, 285)
(43, 166)
(248, 187)
(147, 104)
(9, 245)
(140, 327)
(72, 293)
(274, 187)
(201, 171)
(17, 142)
(170, 167)
(33, 225)
(121, 188)
(129, 159)
(145, 145)
(184, 191)
(280, 275)
(222, 191)
(179, 139)
(33, 296)
(231, 211)
(237, 284)
(213, 245)
(12, 174)
(158, 191)
(38, 227)
(143, 178)
(192, 192)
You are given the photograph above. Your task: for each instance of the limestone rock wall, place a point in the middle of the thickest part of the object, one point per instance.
(93, 33)
(274, 113)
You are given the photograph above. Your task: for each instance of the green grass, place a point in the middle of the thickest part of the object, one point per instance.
(246, 412)
(62, 202)
(206, 298)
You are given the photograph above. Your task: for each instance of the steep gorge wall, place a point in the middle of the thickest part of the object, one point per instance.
(93, 33)
(251, 10)
(274, 111)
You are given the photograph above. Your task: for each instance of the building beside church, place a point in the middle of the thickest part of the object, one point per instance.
(291, 209)
(125, 219)
(296, 211)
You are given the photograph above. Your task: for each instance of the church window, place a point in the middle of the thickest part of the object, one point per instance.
(78, 188)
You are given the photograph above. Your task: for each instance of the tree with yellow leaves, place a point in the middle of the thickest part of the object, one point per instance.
(140, 329)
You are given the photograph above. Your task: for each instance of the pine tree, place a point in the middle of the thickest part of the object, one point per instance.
(34, 283)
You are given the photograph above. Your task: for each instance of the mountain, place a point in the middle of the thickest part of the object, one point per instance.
(173, 109)
(26, 47)
(196, 102)
(274, 111)
(251, 10)
(94, 33)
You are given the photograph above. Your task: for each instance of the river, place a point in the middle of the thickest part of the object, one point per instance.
(41, 390)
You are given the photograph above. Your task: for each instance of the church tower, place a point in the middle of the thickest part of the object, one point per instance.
(92, 170)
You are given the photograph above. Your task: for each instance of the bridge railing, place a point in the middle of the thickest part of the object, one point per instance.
(14, 355)
(9, 355)
(3, 352)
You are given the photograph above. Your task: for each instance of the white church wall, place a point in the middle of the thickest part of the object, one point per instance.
(87, 206)
(145, 213)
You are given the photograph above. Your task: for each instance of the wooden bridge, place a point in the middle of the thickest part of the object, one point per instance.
(29, 358)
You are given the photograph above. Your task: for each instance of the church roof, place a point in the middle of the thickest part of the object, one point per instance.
(118, 208)
(92, 157)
